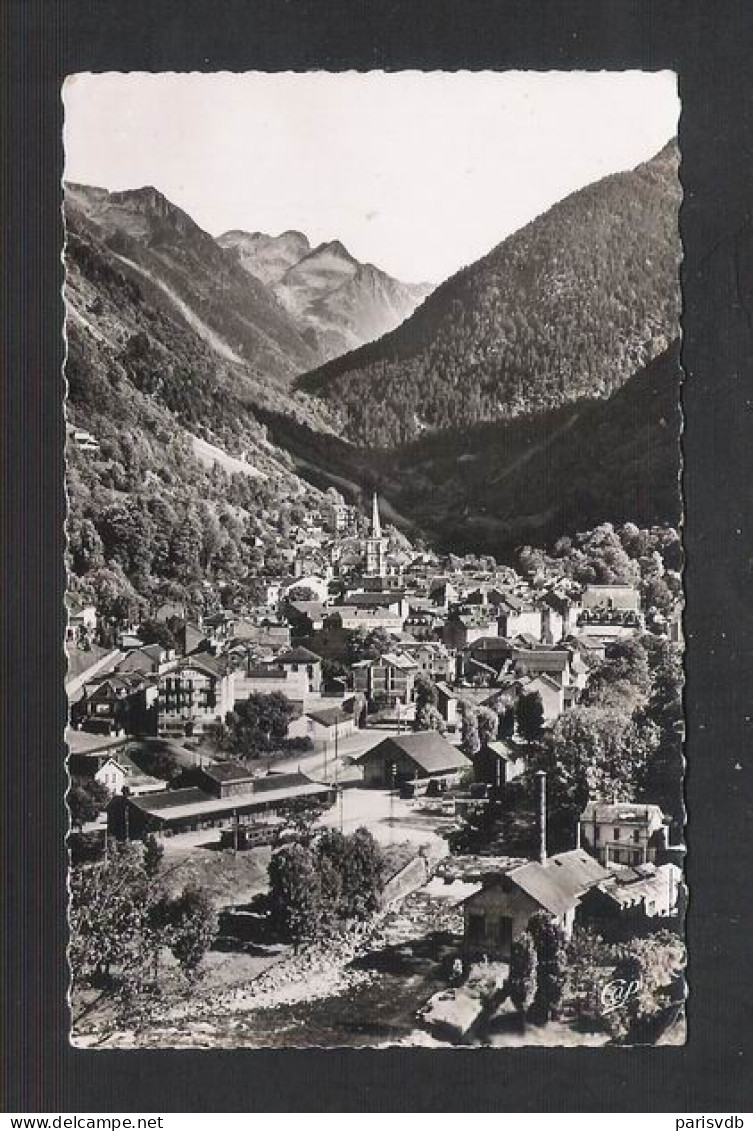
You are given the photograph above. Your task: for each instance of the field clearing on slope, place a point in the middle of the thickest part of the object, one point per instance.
(209, 454)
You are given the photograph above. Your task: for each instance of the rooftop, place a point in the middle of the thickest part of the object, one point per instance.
(428, 749)
(298, 655)
(558, 883)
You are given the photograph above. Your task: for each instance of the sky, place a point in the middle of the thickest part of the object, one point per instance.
(419, 173)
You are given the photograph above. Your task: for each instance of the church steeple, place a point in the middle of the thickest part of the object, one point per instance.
(376, 525)
(376, 545)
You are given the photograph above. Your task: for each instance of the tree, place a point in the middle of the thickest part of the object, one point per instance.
(470, 742)
(642, 977)
(190, 923)
(551, 965)
(506, 722)
(113, 941)
(157, 632)
(426, 716)
(594, 752)
(529, 715)
(487, 722)
(424, 691)
(302, 593)
(258, 724)
(86, 800)
(429, 718)
(661, 775)
(522, 980)
(295, 895)
(153, 853)
(362, 876)
(157, 759)
(622, 679)
(331, 851)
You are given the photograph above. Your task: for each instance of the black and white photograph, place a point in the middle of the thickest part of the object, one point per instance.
(374, 560)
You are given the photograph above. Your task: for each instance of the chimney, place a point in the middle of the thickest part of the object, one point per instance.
(541, 816)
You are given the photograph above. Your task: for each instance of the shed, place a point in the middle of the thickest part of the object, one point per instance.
(404, 757)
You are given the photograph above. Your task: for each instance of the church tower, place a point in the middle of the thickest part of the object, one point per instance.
(376, 545)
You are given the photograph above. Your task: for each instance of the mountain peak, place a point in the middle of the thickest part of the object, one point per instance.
(335, 248)
(264, 256)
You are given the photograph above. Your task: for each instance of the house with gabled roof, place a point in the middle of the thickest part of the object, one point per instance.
(147, 659)
(500, 912)
(197, 692)
(119, 773)
(390, 676)
(407, 757)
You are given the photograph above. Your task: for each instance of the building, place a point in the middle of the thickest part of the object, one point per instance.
(633, 901)
(624, 833)
(225, 779)
(365, 617)
(82, 622)
(564, 666)
(518, 615)
(376, 545)
(325, 727)
(120, 775)
(302, 660)
(498, 763)
(431, 656)
(390, 677)
(265, 633)
(625, 598)
(117, 704)
(82, 440)
(147, 659)
(462, 629)
(197, 693)
(447, 705)
(607, 625)
(550, 690)
(498, 914)
(190, 810)
(407, 757)
(387, 601)
(266, 679)
(304, 617)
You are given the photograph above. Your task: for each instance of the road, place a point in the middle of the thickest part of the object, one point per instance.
(321, 765)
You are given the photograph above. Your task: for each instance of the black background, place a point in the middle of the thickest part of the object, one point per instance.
(710, 46)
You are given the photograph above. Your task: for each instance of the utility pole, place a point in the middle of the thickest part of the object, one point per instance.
(393, 776)
(235, 832)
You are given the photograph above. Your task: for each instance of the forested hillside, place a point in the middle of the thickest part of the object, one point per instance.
(532, 479)
(183, 270)
(568, 307)
(155, 512)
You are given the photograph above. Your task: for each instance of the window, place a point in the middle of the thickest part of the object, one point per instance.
(636, 836)
(597, 834)
(616, 834)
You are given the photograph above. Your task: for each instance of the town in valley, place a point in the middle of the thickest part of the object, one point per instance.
(374, 616)
(420, 706)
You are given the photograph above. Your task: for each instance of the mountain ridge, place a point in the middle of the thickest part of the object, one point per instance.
(336, 300)
(566, 307)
